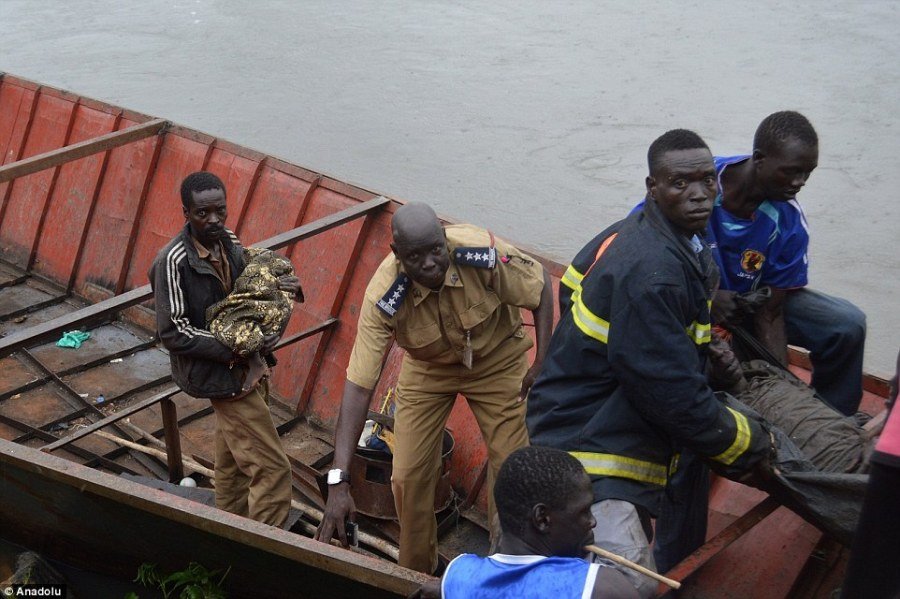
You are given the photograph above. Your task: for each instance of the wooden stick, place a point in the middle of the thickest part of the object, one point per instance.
(155, 452)
(636, 567)
(316, 514)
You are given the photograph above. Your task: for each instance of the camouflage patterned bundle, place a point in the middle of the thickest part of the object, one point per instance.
(255, 307)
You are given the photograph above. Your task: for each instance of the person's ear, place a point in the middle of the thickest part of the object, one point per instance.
(540, 518)
(758, 158)
(187, 213)
(651, 185)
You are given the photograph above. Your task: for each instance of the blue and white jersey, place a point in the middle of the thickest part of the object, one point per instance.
(502, 576)
(768, 249)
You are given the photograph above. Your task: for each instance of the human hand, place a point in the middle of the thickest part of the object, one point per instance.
(268, 344)
(724, 309)
(291, 284)
(338, 509)
(763, 472)
(528, 380)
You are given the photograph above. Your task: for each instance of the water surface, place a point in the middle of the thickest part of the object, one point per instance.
(531, 118)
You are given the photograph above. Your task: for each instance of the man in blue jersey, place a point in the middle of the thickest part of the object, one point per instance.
(543, 499)
(761, 236)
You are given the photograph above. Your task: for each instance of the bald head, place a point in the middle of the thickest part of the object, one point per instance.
(413, 223)
(420, 244)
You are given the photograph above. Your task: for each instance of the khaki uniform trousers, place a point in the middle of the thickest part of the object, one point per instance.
(425, 395)
(253, 475)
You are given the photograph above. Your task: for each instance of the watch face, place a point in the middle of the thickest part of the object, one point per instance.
(334, 477)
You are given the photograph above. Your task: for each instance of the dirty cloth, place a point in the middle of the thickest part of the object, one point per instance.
(255, 308)
(827, 438)
(73, 339)
(830, 501)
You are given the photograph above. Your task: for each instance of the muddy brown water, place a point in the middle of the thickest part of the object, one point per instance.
(531, 118)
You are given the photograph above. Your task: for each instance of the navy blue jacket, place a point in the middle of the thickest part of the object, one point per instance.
(623, 386)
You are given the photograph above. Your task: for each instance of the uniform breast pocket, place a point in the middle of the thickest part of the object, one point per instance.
(478, 312)
(422, 343)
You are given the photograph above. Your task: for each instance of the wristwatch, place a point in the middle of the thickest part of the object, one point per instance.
(337, 476)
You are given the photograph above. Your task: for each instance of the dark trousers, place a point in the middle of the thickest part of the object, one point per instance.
(874, 568)
(681, 524)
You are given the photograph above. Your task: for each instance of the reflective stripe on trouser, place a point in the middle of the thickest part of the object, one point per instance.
(619, 530)
(425, 396)
(253, 475)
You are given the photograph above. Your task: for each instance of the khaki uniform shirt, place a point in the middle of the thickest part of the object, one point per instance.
(432, 326)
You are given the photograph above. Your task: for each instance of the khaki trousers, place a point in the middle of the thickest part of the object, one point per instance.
(253, 475)
(425, 395)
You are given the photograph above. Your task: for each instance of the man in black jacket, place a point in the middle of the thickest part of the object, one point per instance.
(194, 271)
(623, 386)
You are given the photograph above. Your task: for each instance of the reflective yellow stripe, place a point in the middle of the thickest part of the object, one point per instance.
(608, 464)
(590, 324)
(741, 440)
(572, 278)
(699, 333)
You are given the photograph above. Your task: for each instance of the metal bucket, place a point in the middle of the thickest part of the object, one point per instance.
(370, 471)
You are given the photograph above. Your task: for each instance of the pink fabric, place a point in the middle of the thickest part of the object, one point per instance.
(889, 442)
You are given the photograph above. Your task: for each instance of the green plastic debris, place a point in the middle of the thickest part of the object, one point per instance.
(73, 339)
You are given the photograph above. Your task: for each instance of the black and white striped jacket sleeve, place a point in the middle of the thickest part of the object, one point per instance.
(173, 324)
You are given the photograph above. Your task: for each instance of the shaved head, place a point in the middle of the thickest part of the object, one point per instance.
(414, 223)
(420, 244)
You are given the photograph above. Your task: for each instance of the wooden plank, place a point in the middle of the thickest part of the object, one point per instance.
(112, 418)
(80, 150)
(52, 328)
(173, 440)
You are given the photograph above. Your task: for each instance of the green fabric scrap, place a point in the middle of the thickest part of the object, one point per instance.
(73, 339)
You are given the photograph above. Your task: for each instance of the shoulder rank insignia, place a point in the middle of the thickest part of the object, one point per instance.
(393, 299)
(483, 257)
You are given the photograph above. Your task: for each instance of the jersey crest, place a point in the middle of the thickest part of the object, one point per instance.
(393, 299)
(752, 261)
(479, 257)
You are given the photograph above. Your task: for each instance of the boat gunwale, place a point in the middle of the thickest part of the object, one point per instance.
(362, 568)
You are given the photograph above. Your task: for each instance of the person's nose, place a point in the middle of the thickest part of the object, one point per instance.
(698, 192)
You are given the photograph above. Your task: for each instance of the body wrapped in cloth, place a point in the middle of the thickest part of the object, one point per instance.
(819, 452)
(256, 307)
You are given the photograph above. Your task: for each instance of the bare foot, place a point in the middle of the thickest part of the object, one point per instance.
(256, 370)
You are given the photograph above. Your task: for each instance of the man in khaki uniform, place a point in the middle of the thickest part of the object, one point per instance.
(451, 298)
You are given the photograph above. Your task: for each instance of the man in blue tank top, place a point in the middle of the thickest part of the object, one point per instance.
(543, 498)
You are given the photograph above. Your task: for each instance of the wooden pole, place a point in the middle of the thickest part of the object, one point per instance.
(636, 567)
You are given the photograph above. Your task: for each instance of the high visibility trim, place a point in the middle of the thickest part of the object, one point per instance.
(741, 439)
(590, 324)
(608, 464)
(572, 278)
(699, 333)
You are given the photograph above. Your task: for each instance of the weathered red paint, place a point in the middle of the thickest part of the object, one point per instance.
(101, 233)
